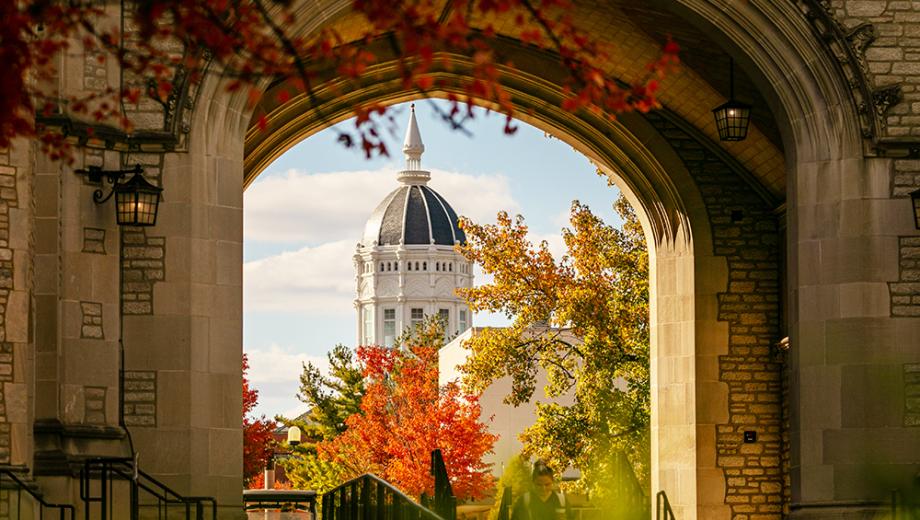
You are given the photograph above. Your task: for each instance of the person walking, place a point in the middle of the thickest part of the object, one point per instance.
(543, 502)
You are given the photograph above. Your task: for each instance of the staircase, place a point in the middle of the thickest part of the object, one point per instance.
(368, 497)
(111, 488)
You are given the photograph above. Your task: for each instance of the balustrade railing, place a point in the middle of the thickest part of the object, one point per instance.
(103, 501)
(31, 505)
(663, 509)
(371, 498)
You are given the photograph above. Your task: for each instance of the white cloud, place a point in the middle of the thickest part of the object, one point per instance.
(277, 364)
(274, 371)
(310, 279)
(478, 197)
(322, 207)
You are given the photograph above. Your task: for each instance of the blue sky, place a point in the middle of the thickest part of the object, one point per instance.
(305, 213)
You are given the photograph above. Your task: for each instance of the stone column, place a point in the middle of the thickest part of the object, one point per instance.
(854, 353)
(182, 304)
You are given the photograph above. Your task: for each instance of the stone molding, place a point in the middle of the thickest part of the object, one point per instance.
(177, 108)
(847, 47)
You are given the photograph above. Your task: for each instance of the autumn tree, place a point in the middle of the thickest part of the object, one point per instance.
(598, 290)
(516, 477)
(331, 398)
(405, 415)
(252, 42)
(258, 443)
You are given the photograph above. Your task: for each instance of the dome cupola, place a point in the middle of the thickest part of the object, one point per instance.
(413, 214)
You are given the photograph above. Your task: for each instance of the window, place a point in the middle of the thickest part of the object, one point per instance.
(409, 266)
(381, 266)
(368, 326)
(424, 266)
(437, 266)
(450, 267)
(389, 327)
(444, 318)
(461, 318)
(416, 317)
(416, 266)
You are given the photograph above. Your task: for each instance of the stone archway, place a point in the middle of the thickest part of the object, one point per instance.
(712, 334)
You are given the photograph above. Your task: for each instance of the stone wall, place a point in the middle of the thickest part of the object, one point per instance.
(8, 200)
(142, 258)
(894, 55)
(745, 232)
(893, 59)
(141, 398)
(905, 293)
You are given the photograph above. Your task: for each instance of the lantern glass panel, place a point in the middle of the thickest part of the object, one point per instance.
(125, 203)
(136, 202)
(732, 120)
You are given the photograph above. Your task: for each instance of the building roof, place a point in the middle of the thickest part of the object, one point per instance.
(413, 214)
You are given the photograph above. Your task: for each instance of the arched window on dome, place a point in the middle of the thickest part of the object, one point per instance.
(408, 266)
(381, 266)
(416, 266)
(389, 266)
(424, 266)
(437, 266)
(450, 267)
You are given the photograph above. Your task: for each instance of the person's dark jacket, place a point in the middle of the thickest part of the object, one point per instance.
(530, 507)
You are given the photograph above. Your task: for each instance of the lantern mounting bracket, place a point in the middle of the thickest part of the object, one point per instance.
(96, 174)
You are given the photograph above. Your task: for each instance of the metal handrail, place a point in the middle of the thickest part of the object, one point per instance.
(20, 486)
(109, 469)
(283, 499)
(444, 503)
(369, 496)
(663, 509)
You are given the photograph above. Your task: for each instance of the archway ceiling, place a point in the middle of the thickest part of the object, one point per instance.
(637, 32)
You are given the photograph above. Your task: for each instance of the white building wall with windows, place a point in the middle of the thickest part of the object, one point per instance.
(406, 265)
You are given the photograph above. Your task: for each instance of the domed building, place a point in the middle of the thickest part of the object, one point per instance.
(406, 265)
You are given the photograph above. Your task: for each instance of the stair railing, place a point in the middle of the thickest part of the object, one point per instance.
(65, 511)
(663, 509)
(504, 507)
(369, 497)
(444, 502)
(108, 470)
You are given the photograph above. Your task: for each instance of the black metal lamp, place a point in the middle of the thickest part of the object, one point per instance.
(733, 117)
(136, 200)
(915, 202)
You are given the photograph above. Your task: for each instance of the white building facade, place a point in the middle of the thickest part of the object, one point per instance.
(406, 265)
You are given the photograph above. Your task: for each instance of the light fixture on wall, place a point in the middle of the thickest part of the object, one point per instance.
(136, 200)
(733, 117)
(915, 202)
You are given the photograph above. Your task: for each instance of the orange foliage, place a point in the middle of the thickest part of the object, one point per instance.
(257, 435)
(254, 41)
(404, 416)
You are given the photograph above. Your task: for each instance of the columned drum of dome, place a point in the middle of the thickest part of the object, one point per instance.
(406, 266)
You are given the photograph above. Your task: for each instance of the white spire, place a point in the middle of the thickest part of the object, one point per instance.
(413, 148)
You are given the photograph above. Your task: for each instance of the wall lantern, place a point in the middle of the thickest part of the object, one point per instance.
(915, 201)
(293, 436)
(136, 200)
(732, 118)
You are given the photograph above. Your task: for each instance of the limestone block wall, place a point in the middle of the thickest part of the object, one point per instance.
(15, 288)
(894, 55)
(745, 232)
